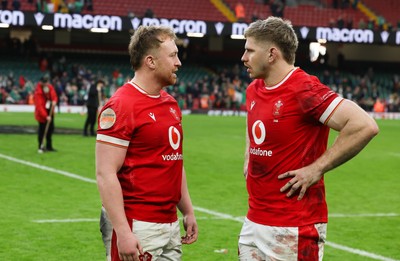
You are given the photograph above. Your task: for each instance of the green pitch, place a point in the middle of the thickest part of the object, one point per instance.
(50, 204)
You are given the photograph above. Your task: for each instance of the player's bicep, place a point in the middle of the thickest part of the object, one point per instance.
(347, 111)
(109, 158)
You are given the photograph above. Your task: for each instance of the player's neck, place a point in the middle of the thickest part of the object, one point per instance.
(147, 86)
(277, 74)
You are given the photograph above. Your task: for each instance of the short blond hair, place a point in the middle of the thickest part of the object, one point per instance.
(145, 39)
(277, 31)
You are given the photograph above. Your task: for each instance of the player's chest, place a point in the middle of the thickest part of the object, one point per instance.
(158, 125)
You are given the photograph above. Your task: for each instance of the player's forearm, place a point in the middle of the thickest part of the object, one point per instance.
(246, 163)
(111, 196)
(109, 160)
(185, 204)
(246, 155)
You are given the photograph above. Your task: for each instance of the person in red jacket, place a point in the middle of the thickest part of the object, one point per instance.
(45, 99)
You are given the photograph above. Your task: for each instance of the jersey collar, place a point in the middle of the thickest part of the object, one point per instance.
(143, 91)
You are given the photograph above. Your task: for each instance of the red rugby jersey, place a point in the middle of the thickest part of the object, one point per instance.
(150, 128)
(287, 132)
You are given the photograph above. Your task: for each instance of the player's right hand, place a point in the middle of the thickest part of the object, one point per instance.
(129, 247)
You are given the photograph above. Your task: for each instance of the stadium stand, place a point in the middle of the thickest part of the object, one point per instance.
(218, 86)
(194, 10)
(300, 12)
(203, 84)
(389, 9)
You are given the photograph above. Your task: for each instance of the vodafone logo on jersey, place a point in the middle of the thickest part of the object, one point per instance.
(258, 131)
(174, 137)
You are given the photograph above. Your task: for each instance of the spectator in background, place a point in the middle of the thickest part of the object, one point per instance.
(14, 97)
(379, 105)
(394, 102)
(41, 6)
(93, 103)
(89, 5)
(131, 14)
(149, 13)
(362, 24)
(332, 23)
(29, 88)
(340, 22)
(380, 22)
(4, 4)
(277, 8)
(255, 15)
(30, 98)
(45, 99)
(79, 6)
(71, 6)
(371, 24)
(349, 23)
(345, 4)
(240, 12)
(16, 4)
(43, 64)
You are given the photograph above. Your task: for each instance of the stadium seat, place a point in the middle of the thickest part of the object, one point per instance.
(387, 8)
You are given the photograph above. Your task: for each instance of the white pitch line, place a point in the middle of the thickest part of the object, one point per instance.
(218, 214)
(359, 252)
(364, 215)
(215, 215)
(79, 220)
(38, 166)
(76, 220)
(200, 209)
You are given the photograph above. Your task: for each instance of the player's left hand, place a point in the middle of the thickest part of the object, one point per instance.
(301, 179)
(190, 226)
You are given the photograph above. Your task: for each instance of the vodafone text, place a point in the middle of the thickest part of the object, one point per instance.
(173, 156)
(260, 152)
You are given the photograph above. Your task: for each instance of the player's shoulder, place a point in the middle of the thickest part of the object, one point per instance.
(299, 74)
(256, 83)
(300, 80)
(165, 95)
(123, 96)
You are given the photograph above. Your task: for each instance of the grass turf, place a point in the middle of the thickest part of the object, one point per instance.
(213, 150)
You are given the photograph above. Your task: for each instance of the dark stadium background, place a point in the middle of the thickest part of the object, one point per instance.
(368, 58)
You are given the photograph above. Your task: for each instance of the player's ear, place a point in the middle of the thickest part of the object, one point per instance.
(272, 53)
(150, 61)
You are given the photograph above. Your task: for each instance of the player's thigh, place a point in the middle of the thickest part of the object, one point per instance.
(281, 243)
(173, 250)
(250, 252)
(311, 242)
(154, 237)
(247, 249)
(305, 243)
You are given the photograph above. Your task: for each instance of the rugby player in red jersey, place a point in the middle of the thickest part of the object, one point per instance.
(139, 158)
(289, 115)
